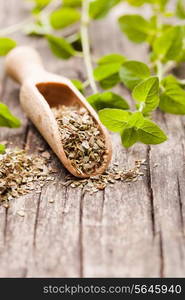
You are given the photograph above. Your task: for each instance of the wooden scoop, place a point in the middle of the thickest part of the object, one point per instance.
(40, 91)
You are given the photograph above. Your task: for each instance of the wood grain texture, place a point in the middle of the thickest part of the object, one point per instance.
(125, 231)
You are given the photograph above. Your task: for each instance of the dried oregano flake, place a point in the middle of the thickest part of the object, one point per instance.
(83, 143)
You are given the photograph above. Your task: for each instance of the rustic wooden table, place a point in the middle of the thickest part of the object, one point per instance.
(127, 231)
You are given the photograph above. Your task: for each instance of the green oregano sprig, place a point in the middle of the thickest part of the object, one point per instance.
(151, 86)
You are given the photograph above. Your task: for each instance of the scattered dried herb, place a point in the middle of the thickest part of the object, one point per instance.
(20, 173)
(111, 176)
(83, 143)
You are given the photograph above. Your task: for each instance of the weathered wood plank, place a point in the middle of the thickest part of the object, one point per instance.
(168, 194)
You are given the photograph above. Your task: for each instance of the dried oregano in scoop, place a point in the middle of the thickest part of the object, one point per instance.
(83, 143)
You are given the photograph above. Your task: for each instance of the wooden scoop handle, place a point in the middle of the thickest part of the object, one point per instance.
(24, 63)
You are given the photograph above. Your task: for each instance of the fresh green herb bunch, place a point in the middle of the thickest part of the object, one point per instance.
(64, 24)
(151, 86)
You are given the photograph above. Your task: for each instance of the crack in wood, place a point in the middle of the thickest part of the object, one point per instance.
(3, 85)
(25, 272)
(103, 203)
(5, 225)
(161, 255)
(80, 75)
(81, 254)
(65, 202)
(2, 92)
(25, 142)
(182, 120)
(180, 205)
(164, 120)
(36, 220)
(150, 190)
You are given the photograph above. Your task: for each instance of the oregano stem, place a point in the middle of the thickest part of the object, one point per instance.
(86, 84)
(159, 69)
(141, 107)
(169, 66)
(86, 44)
(182, 81)
(14, 28)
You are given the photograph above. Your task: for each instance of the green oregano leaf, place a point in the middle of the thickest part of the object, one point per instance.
(180, 9)
(100, 8)
(133, 72)
(170, 44)
(135, 119)
(64, 17)
(172, 99)
(170, 80)
(108, 65)
(60, 47)
(72, 3)
(136, 2)
(135, 27)
(112, 58)
(41, 2)
(110, 81)
(107, 100)
(133, 127)
(140, 129)
(114, 119)
(107, 71)
(7, 119)
(78, 84)
(150, 134)
(162, 4)
(2, 149)
(39, 5)
(6, 44)
(104, 71)
(147, 94)
(129, 137)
